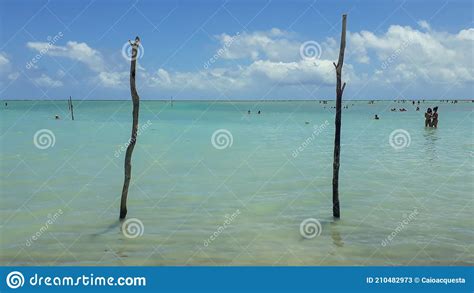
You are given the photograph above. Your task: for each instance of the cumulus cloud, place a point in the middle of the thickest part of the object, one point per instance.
(405, 54)
(260, 59)
(318, 72)
(273, 58)
(216, 79)
(466, 35)
(76, 51)
(6, 72)
(424, 24)
(113, 79)
(402, 54)
(260, 73)
(46, 81)
(80, 52)
(4, 61)
(275, 45)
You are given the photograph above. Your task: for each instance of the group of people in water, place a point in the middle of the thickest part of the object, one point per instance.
(431, 117)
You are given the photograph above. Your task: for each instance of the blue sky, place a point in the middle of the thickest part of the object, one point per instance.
(236, 49)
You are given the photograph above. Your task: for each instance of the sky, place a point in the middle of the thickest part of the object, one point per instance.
(233, 50)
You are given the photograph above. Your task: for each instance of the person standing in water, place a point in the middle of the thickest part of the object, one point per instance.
(434, 117)
(428, 117)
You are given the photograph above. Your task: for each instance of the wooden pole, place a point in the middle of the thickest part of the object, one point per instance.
(71, 107)
(337, 137)
(133, 138)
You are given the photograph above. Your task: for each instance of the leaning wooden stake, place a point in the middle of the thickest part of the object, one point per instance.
(71, 108)
(133, 139)
(337, 137)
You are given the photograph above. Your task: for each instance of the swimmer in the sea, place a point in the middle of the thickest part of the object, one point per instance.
(428, 117)
(434, 117)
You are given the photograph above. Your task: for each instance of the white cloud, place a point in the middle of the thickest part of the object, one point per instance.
(113, 79)
(466, 35)
(6, 69)
(318, 72)
(46, 81)
(407, 55)
(274, 57)
(275, 45)
(4, 61)
(220, 79)
(264, 59)
(80, 52)
(259, 74)
(402, 54)
(424, 25)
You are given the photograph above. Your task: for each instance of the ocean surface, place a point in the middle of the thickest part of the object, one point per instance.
(213, 185)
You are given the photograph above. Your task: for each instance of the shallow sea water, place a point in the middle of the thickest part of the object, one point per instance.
(405, 203)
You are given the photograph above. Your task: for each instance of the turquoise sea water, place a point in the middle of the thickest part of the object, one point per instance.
(241, 200)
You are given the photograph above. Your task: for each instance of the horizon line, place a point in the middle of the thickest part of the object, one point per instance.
(240, 100)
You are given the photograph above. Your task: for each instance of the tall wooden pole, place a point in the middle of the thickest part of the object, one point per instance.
(133, 138)
(337, 137)
(71, 107)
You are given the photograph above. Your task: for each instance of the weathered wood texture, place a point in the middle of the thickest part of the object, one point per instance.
(133, 138)
(337, 137)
